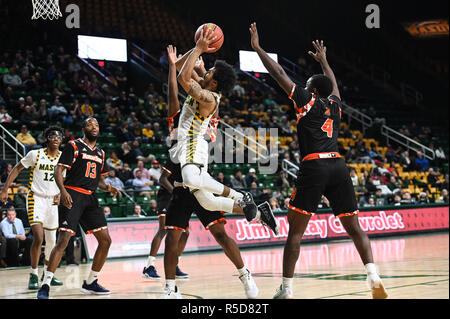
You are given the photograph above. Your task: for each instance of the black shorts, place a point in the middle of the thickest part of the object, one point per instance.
(163, 199)
(85, 211)
(329, 177)
(181, 207)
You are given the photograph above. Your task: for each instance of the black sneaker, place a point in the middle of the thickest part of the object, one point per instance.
(248, 206)
(267, 218)
(43, 292)
(94, 288)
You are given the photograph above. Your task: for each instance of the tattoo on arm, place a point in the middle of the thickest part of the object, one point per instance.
(199, 94)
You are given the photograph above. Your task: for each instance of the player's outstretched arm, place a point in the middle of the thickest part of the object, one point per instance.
(275, 70)
(174, 103)
(321, 56)
(164, 181)
(11, 178)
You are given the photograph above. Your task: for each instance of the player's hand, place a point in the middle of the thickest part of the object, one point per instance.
(172, 54)
(321, 51)
(4, 196)
(200, 65)
(66, 199)
(57, 199)
(205, 39)
(254, 36)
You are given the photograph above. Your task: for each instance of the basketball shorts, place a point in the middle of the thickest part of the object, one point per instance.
(191, 153)
(328, 177)
(163, 199)
(85, 211)
(41, 210)
(181, 207)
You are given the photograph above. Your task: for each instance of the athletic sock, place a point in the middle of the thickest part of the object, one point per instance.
(170, 283)
(372, 273)
(287, 282)
(150, 261)
(34, 271)
(48, 276)
(93, 275)
(243, 271)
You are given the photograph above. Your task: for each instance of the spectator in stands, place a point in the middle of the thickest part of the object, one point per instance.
(56, 111)
(140, 167)
(274, 205)
(380, 200)
(20, 199)
(142, 185)
(67, 137)
(423, 198)
(422, 162)
(51, 73)
(12, 79)
(153, 208)
(28, 117)
(16, 240)
(126, 174)
(4, 116)
(86, 109)
(283, 182)
(148, 134)
(238, 181)
(397, 200)
(254, 190)
(393, 184)
(444, 185)
(222, 179)
(351, 156)
(370, 202)
(114, 181)
(137, 211)
(406, 162)
(155, 171)
(26, 139)
(439, 153)
(107, 212)
(444, 196)
(42, 109)
(114, 162)
(433, 178)
(407, 199)
(126, 153)
(251, 177)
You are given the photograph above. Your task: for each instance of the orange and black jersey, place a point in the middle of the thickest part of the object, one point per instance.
(174, 170)
(172, 122)
(318, 121)
(85, 165)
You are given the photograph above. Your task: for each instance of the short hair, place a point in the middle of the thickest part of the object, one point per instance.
(50, 129)
(225, 76)
(322, 84)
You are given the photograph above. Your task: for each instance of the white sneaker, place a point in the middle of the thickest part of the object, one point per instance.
(170, 294)
(283, 293)
(251, 290)
(378, 292)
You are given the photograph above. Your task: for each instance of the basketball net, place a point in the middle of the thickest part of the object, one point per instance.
(46, 9)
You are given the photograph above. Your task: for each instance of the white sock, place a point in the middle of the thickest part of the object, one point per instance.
(170, 283)
(48, 276)
(243, 271)
(287, 282)
(235, 195)
(45, 268)
(34, 271)
(372, 273)
(150, 261)
(258, 215)
(93, 275)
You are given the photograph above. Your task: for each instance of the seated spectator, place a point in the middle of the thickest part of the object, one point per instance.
(422, 162)
(20, 199)
(142, 185)
(444, 196)
(370, 202)
(140, 167)
(126, 174)
(423, 198)
(379, 198)
(238, 181)
(27, 139)
(16, 240)
(56, 111)
(126, 153)
(114, 181)
(274, 205)
(254, 190)
(28, 117)
(114, 162)
(397, 200)
(3, 263)
(153, 208)
(251, 177)
(148, 134)
(324, 202)
(107, 212)
(407, 199)
(440, 155)
(12, 79)
(393, 184)
(222, 179)
(67, 137)
(137, 212)
(86, 109)
(433, 178)
(283, 182)
(4, 116)
(155, 171)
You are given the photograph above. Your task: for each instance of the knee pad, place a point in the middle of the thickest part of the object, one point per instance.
(206, 200)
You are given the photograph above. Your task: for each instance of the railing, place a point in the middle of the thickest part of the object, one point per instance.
(365, 120)
(287, 166)
(407, 142)
(18, 148)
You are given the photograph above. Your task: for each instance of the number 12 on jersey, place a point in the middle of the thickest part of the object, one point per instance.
(327, 127)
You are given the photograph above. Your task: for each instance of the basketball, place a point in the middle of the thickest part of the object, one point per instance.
(217, 31)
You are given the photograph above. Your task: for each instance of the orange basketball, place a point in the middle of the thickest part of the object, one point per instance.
(217, 31)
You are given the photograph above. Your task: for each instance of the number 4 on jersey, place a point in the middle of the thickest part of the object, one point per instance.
(327, 127)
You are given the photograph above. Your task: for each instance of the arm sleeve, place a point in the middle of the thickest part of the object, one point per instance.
(29, 159)
(68, 155)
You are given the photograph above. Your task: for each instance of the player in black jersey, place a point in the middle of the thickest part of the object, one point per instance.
(322, 170)
(84, 161)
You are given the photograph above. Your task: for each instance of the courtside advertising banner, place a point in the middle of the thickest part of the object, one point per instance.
(133, 238)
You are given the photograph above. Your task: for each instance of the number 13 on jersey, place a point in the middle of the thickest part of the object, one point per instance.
(327, 127)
